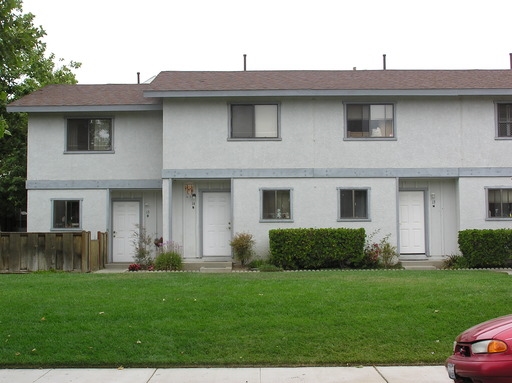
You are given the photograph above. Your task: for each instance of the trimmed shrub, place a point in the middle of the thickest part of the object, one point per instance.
(486, 248)
(294, 249)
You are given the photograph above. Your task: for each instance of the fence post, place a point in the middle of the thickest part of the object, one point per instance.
(86, 238)
(102, 249)
(14, 253)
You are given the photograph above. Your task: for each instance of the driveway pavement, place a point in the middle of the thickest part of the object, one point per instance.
(420, 374)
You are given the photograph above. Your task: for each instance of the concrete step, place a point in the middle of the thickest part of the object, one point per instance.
(208, 266)
(117, 266)
(424, 264)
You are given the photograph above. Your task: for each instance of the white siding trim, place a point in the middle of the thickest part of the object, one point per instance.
(337, 173)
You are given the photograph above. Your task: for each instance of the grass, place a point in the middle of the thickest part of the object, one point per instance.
(242, 319)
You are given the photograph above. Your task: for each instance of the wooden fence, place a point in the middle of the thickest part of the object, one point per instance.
(23, 252)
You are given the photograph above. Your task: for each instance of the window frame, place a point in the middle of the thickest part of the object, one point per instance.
(347, 135)
(78, 226)
(488, 215)
(253, 137)
(353, 218)
(276, 189)
(508, 121)
(67, 150)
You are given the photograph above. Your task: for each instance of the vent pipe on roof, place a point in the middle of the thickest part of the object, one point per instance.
(510, 60)
(245, 62)
(384, 61)
(138, 77)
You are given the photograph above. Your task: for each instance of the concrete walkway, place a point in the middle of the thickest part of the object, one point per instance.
(420, 374)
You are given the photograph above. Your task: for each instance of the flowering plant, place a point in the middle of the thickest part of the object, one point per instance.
(134, 267)
(373, 252)
(380, 254)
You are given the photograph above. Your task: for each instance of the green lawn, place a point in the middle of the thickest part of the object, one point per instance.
(242, 319)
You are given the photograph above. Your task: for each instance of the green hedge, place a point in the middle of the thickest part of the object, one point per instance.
(486, 248)
(295, 249)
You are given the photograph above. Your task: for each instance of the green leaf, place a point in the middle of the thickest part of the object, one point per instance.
(25, 67)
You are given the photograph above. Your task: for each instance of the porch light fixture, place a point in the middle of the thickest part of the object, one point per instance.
(189, 190)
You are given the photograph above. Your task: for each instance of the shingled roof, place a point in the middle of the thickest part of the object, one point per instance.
(87, 98)
(333, 80)
(266, 83)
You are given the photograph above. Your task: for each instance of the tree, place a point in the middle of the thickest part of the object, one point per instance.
(24, 68)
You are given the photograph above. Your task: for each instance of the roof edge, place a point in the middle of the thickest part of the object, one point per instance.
(325, 93)
(84, 108)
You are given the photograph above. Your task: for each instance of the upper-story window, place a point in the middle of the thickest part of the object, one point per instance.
(370, 121)
(499, 203)
(89, 134)
(504, 120)
(254, 121)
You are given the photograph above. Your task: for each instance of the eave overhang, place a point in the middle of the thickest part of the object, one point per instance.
(83, 108)
(328, 93)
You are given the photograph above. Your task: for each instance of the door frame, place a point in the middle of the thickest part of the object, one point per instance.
(201, 219)
(139, 200)
(425, 221)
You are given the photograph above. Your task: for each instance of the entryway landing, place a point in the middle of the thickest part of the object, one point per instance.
(208, 266)
(415, 262)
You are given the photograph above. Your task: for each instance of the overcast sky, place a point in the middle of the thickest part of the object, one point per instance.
(115, 39)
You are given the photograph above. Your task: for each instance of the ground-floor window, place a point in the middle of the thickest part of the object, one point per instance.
(66, 214)
(499, 203)
(353, 204)
(276, 204)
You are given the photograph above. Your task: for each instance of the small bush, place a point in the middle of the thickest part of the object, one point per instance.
(455, 261)
(134, 267)
(380, 254)
(263, 265)
(169, 257)
(242, 245)
(143, 246)
(256, 263)
(269, 268)
(169, 261)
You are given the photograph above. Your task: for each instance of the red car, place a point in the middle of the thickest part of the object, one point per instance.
(483, 353)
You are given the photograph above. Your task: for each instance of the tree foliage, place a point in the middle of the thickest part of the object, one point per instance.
(24, 67)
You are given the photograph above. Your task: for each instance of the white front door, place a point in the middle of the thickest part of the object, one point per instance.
(412, 222)
(125, 221)
(216, 224)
